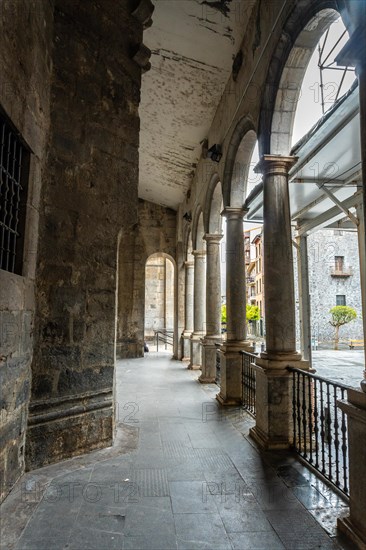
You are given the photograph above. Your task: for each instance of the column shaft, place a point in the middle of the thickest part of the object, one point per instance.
(304, 297)
(213, 309)
(278, 257)
(273, 429)
(199, 308)
(235, 276)
(188, 309)
(361, 211)
(230, 356)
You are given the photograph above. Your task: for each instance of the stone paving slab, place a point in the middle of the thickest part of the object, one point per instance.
(183, 474)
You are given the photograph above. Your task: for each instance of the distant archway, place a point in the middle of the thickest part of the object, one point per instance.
(159, 318)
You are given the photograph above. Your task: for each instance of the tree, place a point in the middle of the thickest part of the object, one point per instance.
(341, 315)
(253, 313)
(223, 313)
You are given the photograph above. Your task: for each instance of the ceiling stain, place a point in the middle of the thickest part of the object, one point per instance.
(223, 6)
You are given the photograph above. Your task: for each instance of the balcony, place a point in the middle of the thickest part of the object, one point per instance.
(250, 280)
(339, 271)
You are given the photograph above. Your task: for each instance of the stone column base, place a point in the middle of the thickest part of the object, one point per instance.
(354, 407)
(352, 533)
(208, 375)
(196, 351)
(273, 428)
(186, 352)
(231, 372)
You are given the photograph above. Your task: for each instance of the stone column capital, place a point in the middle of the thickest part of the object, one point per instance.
(212, 238)
(189, 263)
(275, 165)
(233, 213)
(199, 253)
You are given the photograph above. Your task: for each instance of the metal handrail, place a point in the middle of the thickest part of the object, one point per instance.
(164, 335)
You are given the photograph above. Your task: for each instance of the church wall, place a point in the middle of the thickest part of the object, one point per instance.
(25, 66)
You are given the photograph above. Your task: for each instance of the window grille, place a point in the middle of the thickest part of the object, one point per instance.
(14, 172)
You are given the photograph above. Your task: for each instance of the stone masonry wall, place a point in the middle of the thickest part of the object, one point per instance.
(25, 65)
(89, 197)
(155, 232)
(323, 246)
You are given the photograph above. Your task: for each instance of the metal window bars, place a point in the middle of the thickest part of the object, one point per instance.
(14, 159)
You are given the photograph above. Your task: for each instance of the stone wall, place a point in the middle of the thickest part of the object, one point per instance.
(89, 197)
(25, 64)
(323, 246)
(155, 232)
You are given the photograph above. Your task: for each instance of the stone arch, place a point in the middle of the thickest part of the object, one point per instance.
(187, 240)
(163, 314)
(300, 35)
(237, 162)
(212, 219)
(198, 230)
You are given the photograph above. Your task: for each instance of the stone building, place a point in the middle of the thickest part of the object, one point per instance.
(334, 279)
(112, 151)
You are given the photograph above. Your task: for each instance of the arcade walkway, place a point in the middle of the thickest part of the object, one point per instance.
(182, 475)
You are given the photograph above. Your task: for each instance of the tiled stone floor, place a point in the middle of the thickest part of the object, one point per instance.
(183, 474)
(345, 366)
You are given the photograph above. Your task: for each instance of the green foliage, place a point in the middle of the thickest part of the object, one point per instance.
(223, 313)
(341, 315)
(253, 313)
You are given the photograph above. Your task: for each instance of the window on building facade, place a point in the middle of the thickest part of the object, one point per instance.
(14, 173)
(339, 263)
(340, 300)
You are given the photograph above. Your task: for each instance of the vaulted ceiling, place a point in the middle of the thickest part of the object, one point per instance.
(193, 43)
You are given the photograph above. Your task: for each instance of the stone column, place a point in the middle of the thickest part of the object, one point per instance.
(273, 391)
(188, 306)
(354, 526)
(304, 296)
(230, 356)
(199, 309)
(354, 54)
(213, 309)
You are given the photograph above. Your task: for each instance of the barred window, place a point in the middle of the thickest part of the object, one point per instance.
(14, 173)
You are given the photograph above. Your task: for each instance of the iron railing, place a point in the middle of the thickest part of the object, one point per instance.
(14, 165)
(319, 427)
(248, 382)
(218, 365)
(165, 336)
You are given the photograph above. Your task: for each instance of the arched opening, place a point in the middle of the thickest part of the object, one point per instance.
(238, 166)
(159, 303)
(315, 118)
(292, 76)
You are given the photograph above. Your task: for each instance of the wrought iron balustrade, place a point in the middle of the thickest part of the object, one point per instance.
(218, 365)
(248, 382)
(320, 427)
